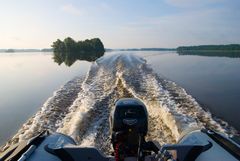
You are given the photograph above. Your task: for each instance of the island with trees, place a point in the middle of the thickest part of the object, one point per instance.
(69, 50)
(231, 50)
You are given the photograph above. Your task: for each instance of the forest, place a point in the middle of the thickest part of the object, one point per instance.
(69, 50)
(232, 50)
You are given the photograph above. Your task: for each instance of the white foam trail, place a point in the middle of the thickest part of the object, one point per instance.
(50, 114)
(169, 118)
(96, 87)
(172, 111)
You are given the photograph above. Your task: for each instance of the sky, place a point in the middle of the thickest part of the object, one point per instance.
(119, 23)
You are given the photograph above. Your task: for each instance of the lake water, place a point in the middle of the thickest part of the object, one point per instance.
(29, 79)
(213, 81)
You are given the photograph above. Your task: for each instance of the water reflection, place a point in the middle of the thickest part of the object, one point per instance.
(70, 58)
(27, 81)
(230, 54)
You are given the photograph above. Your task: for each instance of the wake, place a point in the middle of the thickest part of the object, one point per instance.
(81, 108)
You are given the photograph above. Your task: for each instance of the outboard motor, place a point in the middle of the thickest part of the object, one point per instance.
(129, 126)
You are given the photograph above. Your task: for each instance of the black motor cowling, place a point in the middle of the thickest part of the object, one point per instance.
(129, 126)
(129, 114)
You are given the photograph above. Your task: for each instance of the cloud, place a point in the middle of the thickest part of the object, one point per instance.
(191, 3)
(71, 9)
(209, 26)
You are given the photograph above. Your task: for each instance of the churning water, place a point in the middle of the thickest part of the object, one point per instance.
(81, 107)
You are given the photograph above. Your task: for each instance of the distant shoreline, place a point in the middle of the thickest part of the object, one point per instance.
(107, 50)
(208, 48)
(143, 49)
(231, 48)
(205, 51)
(25, 50)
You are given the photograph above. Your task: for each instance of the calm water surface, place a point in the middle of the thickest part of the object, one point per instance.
(27, 80)
(213, 81)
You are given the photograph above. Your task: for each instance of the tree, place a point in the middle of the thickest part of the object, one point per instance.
(69, 50)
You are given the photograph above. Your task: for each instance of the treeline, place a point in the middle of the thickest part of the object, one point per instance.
(223, 53)
(232, 47)
(69, 50)
(70, 45)
(232, 50)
